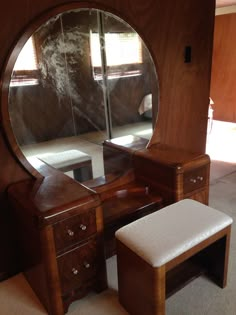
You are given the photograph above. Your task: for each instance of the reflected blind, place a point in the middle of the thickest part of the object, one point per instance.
(122, 50)
(26, 66)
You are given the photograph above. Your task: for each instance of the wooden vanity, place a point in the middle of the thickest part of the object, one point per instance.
(60, 239)
(62, 230)
(66, 230)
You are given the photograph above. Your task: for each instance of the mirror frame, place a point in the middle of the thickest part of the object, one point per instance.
(13, 55)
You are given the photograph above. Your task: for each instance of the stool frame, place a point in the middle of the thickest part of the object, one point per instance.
(143, 288)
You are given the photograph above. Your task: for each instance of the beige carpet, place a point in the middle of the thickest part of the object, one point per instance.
(200, 297)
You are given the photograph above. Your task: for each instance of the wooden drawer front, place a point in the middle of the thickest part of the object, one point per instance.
(195, 179)
(149, 170)
(77, 267)
(74, 230)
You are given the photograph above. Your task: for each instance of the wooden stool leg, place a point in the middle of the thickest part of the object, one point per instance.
(159, 288)
(215, 257)
(219, 268)
(141, 287)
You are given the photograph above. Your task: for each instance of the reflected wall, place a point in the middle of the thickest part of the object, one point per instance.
(83, 77)
(92, 74)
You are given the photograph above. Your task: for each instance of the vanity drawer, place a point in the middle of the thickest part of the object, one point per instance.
(77, 267)
(195, 179)
(74, 230)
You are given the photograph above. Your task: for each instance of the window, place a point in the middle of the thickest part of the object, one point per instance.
(26, 69)
(123, 54)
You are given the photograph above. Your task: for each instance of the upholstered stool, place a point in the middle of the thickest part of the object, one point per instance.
(78, 161)
(161, 252)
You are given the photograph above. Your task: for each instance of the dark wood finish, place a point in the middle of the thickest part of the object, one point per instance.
(174, 173)
(65, 191)
(155, 176)
(125, 200)
(194, 179)
(60, 240)
(223, 80)
(202, 195)
(75, 229)
(175, 125)
(209, 256)
(184, 88)
(77, 267)
(110, 181)
(123, 205)
(46, 269)
(182, 123)
(149, 298)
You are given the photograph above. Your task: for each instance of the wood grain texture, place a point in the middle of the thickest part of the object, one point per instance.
(143, 288)
(174, 173)
(166, 28)
(37, 259)
(223, 80)
(184, 104)
(74, 230)
(148, 298)
(77, 259)
(63, 242)
(69, 198)
(53, 287)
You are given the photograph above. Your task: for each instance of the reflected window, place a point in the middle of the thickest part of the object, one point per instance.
(25, 71)
(84, 76)
(123, 54)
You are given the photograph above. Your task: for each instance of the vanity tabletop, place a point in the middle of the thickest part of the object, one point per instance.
(173, 157)
(53, 198)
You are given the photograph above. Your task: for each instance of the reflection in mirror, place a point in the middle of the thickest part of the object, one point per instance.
(82, 77)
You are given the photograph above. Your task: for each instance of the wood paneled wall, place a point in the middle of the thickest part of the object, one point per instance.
(223, 81)
(167, 27)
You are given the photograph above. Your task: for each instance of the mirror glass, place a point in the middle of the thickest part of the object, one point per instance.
(83, 77)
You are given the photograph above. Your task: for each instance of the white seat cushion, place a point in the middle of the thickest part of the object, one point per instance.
(165, 234)
(64, 158)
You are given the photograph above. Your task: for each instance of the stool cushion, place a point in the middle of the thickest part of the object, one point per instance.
(64, 158)
(165, 234)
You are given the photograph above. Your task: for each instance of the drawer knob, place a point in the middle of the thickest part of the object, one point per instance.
(86, 265)
(83, 227)
(70, 232)
(200, 178)
(193, 180)
(75, 271)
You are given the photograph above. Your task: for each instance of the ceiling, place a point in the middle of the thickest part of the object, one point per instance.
(224, 3)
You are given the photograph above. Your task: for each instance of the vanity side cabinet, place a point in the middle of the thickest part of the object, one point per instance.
(61, 247)
(176, 174)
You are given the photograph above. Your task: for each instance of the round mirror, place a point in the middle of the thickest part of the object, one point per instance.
(83, 77)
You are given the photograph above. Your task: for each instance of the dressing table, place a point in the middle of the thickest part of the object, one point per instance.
(59, 227)
(72, 227)
(64, 229)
